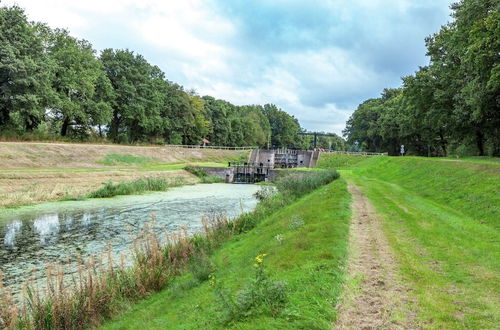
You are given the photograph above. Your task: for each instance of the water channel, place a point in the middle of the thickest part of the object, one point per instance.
(56, 233)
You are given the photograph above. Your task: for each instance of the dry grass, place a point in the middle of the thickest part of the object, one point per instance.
(33, 172)
(23, 188)
(17, 155)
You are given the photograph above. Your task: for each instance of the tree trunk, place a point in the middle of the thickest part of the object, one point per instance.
(115, 123)
(64, 128)
(443, 144)
(480, 142)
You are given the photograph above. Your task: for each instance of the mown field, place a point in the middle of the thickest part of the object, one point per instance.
(37, 172)
(442, 218)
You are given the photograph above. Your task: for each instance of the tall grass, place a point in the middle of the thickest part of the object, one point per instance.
(111, 189)
(300, 183)
(102, 286)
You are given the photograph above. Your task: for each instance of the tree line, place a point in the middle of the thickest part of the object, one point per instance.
(52, 83)
(452, 105)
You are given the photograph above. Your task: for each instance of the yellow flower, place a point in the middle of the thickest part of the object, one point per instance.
(256, 265)
(260, 258)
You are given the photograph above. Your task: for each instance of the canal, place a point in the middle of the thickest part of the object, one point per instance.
(58, 232)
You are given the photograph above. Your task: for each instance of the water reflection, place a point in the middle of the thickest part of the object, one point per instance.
(12, 230)
(34, 239)
(46, 226)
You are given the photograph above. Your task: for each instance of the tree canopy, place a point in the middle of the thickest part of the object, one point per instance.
(452, 105)
(54, 83)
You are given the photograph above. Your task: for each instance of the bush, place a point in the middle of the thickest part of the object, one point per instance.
(203, 175)
(266, 192)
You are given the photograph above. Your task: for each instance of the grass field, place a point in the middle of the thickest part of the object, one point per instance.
(37, 172)
(441, 217)
(309, 256)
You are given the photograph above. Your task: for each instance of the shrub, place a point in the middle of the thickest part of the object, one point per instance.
(212, 179)
(203, 175)
(196, 171)
(266, 192)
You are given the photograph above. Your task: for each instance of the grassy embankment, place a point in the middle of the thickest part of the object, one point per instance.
(442, 218)
(305, 243)
(37, 172)
(302, 234)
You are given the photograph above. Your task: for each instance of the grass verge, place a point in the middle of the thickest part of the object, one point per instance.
(341, 161)
(441, 219)
(306, 245)
(469, 187)
(450, 260)
(102, 288)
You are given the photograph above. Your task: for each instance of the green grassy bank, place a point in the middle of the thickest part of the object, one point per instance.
(305, 243)
(441, 217)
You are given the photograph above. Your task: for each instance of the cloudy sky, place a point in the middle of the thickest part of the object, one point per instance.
(315, 59)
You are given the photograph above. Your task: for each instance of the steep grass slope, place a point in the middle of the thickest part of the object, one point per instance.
(309, 256)
(341, 161)
(466, 186)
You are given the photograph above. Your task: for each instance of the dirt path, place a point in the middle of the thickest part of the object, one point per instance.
(373, 296)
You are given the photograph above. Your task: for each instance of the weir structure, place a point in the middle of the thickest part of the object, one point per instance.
(284, 158)
(264, 165)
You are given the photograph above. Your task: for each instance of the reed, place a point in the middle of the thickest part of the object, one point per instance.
(111, 189)
(101, 285)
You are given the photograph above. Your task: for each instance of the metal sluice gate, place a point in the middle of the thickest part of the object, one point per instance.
(250, 172)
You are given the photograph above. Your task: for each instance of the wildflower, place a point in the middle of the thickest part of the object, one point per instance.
(211, 279)
(260, 258)
(279, 238)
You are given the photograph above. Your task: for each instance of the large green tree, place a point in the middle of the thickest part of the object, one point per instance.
(25, 71)
(139, 95)
(285, 128)
(77, 75)
(451, 104)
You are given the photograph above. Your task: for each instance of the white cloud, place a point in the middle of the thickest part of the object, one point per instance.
(201, 46)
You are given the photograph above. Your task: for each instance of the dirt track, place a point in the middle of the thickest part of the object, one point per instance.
(373, 298)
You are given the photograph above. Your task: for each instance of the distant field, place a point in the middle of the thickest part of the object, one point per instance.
(17, 155)
(36, 172)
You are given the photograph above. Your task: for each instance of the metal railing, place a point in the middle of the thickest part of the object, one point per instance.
(207, 147)
(361, 153)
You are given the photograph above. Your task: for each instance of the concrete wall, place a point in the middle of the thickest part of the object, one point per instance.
(225, 173)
